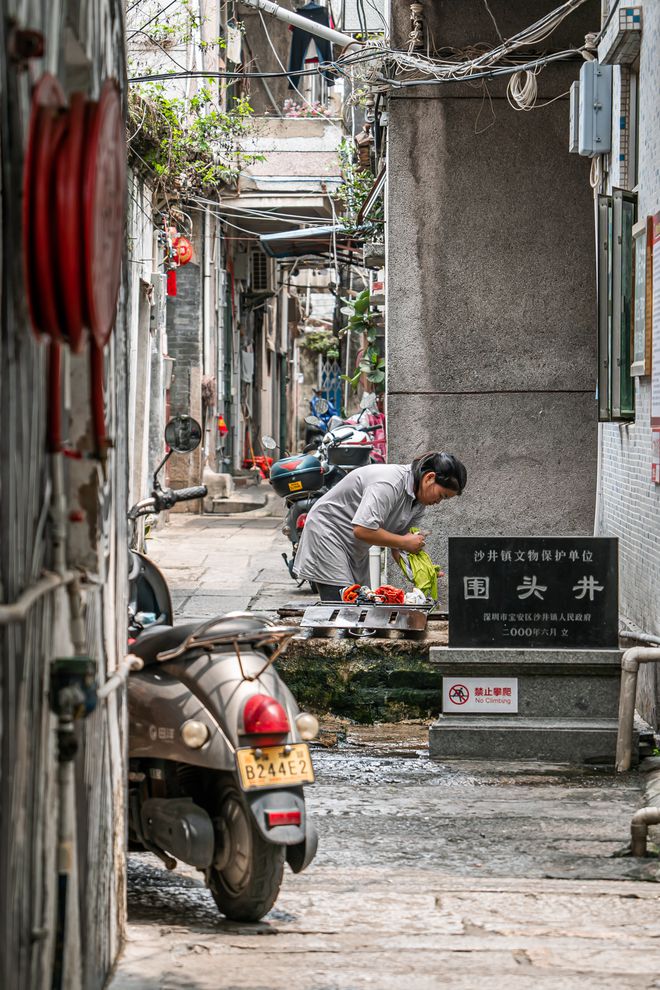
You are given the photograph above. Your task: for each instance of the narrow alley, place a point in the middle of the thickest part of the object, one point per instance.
(428, 874)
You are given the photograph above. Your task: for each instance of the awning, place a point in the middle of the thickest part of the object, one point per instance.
(319, 242)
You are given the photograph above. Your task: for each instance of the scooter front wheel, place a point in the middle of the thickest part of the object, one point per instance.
(246, 872)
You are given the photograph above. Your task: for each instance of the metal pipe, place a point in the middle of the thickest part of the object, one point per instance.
(317, 30)
(128, 664)
(17, 611)
(640, 637)
(639, 827)
(629, 667)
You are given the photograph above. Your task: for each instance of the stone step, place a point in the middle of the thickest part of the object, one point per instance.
(518, 738)
(239, 503)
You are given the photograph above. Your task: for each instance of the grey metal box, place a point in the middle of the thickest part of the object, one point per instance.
(595, 109)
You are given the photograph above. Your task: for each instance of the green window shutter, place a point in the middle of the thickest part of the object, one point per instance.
(623, 390)
(604, 288)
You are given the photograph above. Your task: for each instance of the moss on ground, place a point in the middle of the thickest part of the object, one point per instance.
(367, 681)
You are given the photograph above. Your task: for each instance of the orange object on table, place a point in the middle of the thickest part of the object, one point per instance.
(391, 595)
(349, 594)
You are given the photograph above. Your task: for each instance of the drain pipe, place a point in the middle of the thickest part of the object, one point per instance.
(629, 667)
(639, 827)
(297, 20)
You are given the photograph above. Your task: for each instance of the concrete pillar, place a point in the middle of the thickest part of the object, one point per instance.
(491, 343)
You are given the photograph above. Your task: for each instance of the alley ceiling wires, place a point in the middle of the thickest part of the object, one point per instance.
(377, 66)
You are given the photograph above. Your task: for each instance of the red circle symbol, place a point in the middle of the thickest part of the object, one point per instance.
(459, 694)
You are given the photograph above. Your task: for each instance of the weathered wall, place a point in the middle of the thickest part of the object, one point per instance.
(630, 503)
(184, 341)
(92, 513)
(490, 285)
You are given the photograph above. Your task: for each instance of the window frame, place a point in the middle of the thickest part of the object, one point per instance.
(616, 215)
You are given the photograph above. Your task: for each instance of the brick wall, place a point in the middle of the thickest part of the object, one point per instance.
(630, 503)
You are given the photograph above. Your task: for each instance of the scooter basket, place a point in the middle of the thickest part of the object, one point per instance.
(297, 475)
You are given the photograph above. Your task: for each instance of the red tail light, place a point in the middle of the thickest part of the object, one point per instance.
(263, 716)
(301, 520)
(274, 818)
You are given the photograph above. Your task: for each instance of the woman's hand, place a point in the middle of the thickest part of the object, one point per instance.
(412, 542)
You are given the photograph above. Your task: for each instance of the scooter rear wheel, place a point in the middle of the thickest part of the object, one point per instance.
(246, 874)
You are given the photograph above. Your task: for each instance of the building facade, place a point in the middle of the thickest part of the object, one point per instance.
(628, 496)
(63, 496)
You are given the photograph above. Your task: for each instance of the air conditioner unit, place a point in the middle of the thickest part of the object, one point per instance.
(595, 109)
(259, 272)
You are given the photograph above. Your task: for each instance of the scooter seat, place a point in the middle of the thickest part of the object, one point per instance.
(157, 639)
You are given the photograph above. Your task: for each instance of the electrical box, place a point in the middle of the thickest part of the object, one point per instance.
(595, 109)
(574, 119)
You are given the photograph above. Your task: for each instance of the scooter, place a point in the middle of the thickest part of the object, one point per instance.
(218, 748)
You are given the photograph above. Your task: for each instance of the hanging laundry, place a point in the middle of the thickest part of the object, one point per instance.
(301, 41)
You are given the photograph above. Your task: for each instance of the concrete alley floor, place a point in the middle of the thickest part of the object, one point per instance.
(457, 875)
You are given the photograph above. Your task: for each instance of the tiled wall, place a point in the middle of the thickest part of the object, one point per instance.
(630, 502)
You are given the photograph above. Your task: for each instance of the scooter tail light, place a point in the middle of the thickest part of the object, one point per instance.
(275, 818)
(264, 717)
(301, 520)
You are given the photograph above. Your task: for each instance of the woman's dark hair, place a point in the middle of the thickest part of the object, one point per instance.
(448, 470)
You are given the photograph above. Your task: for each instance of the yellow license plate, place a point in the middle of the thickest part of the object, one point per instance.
(275, 767)
(295, 486)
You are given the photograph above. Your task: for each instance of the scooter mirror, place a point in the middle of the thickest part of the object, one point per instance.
(322, 406)
(183, 434)
(313, 421)
(269, 443)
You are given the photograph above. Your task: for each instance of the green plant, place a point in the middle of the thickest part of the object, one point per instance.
(356, 185)
(189, 144)
(363, 322)
(321, 342)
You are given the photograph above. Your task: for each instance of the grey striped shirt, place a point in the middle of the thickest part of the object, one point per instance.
(373, 496)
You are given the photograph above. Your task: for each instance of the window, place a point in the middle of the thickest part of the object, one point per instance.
(616, 218)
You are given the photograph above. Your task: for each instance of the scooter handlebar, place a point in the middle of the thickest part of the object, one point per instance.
(188, 494)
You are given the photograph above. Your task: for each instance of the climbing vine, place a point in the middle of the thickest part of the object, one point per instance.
(189, 144)
(362, 321)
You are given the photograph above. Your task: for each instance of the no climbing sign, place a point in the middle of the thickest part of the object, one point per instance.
(479, 694)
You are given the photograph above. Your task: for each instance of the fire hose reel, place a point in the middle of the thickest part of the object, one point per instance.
(74, 196)
(74, 191)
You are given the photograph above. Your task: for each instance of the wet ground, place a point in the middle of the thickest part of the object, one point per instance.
(428, 875)
(461, 876)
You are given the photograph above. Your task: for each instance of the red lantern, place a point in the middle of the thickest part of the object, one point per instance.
(184, 250)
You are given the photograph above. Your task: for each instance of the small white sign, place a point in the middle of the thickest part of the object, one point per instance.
(479, 694)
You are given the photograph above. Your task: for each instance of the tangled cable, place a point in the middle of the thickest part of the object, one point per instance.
(523, 90)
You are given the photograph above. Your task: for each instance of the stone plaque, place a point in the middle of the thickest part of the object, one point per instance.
(541, 592)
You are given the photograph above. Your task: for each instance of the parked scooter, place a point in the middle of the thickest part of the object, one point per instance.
(218, 748)
(304, 478)
(322, 411)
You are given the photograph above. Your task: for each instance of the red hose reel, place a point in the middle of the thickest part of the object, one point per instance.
(74, 188)
(74, 192)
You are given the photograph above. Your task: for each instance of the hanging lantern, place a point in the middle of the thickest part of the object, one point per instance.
(183, 249)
